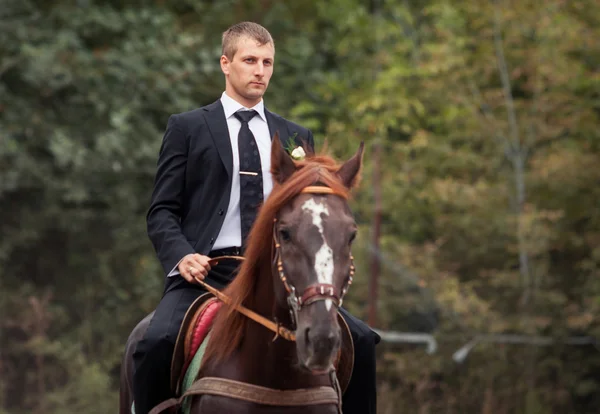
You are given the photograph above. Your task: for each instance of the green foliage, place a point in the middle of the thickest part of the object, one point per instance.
(486, 113)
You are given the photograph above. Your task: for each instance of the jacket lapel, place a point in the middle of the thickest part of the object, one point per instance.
(277, 124)
(217, 124)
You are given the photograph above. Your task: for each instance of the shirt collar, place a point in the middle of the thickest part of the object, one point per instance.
(231, 106)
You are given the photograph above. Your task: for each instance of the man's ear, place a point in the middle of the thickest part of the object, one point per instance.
(224, 64)
(349, 172)
(282, 165)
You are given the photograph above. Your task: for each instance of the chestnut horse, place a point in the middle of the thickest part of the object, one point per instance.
(297, 268)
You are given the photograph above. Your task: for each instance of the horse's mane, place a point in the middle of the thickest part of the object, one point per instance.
(230, 325)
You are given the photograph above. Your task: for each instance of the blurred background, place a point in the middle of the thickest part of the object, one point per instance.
(479, 246)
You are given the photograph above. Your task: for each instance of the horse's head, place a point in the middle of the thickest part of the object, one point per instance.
(312, 261)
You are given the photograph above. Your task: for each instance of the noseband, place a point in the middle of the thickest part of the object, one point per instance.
(317, 291)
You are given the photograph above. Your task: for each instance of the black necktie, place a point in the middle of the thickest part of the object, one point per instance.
(251, 184)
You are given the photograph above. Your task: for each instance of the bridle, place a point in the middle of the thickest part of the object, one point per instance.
(317, 291)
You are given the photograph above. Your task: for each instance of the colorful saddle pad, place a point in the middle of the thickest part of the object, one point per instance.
(189, 338)
(199, 332)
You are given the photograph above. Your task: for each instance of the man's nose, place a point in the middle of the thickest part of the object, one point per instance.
(259, 70)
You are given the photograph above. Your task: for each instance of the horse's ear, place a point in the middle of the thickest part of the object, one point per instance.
(282, 165)
(310, 151)
(349, 171)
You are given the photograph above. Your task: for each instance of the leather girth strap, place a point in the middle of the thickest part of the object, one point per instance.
(254, 393)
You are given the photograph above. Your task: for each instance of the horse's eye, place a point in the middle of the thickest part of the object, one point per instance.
(285, 235)
(352, 237)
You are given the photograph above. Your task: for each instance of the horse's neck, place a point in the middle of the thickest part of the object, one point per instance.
(266, 362)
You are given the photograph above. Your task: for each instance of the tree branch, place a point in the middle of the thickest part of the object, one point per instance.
(506, 86)
(516, 155)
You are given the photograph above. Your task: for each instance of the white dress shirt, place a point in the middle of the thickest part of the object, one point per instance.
(231, 231)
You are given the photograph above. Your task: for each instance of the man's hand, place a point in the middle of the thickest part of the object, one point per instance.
(194, 267)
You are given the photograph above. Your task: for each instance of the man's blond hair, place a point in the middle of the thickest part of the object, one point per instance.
(232, 35)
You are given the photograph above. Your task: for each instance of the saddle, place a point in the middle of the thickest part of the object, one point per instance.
(194, 328)
(196, 325)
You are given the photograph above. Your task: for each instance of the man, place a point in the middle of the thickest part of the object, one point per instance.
(200, 208)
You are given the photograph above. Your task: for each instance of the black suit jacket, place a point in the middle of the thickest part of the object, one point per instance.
(193, 180)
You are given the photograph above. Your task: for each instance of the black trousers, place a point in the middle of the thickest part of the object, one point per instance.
(152, 357)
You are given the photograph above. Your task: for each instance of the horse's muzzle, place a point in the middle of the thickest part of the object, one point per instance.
(321, 348)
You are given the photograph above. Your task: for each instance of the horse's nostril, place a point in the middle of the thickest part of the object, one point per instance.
(306, 336)
(331, 340)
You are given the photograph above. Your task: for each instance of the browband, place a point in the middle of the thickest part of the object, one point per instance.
(317, 189)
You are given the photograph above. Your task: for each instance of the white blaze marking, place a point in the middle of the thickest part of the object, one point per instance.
(324, 256)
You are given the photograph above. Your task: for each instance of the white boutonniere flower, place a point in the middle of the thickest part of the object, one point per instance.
(298, 154)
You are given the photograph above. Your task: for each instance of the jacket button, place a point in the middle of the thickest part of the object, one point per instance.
(220, 212)
(212, 241)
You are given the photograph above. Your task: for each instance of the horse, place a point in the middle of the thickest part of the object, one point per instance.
(296, 270)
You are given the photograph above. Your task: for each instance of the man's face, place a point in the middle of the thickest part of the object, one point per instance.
(249, 71)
